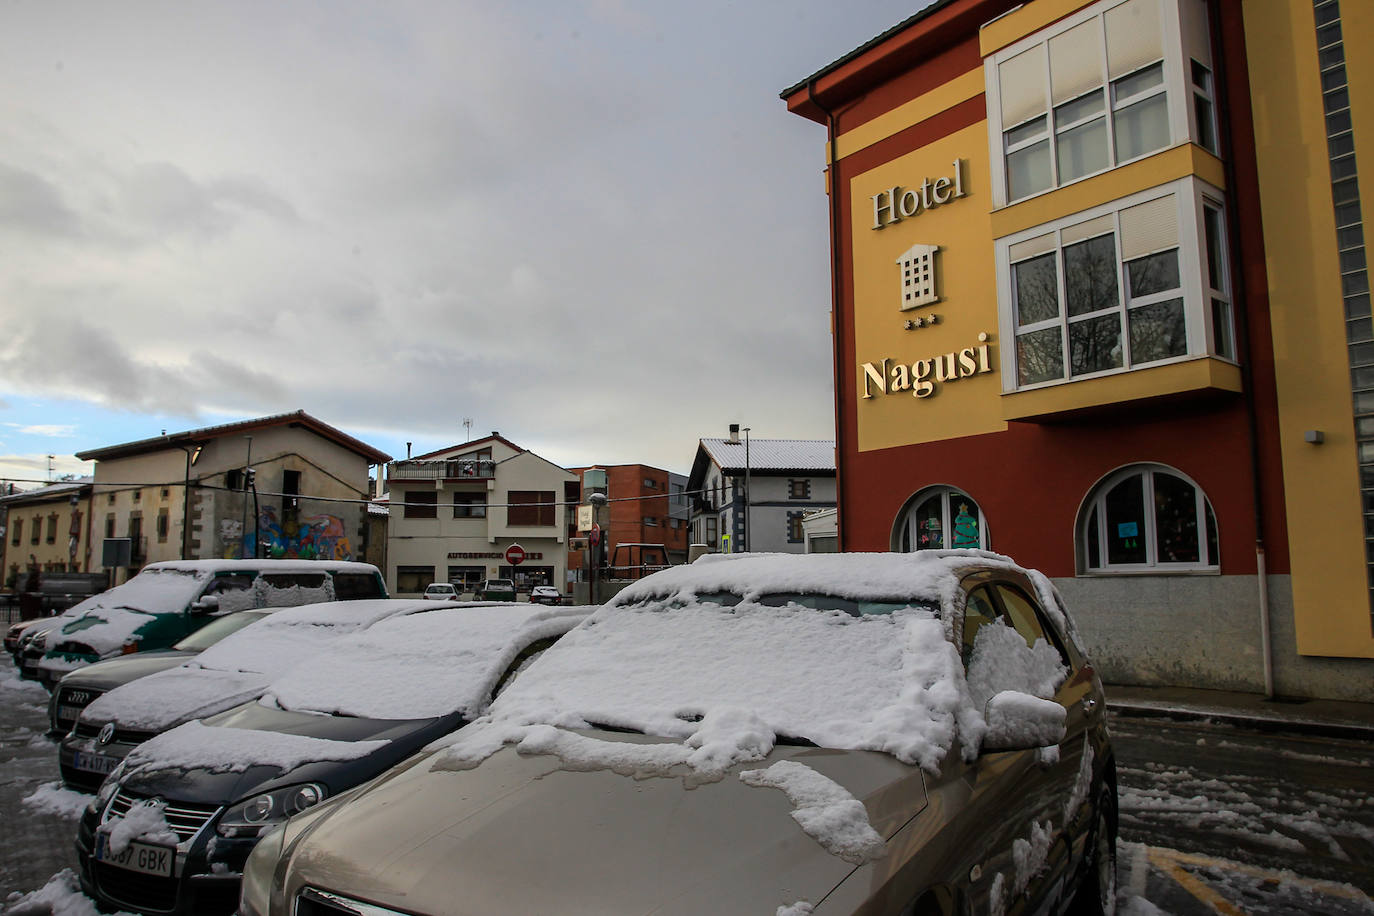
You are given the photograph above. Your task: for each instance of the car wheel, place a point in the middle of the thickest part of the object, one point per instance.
(1096, 894)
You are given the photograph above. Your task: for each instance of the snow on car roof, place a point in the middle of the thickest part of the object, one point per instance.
(661, 660)
(268, 566)
(112, 616)
(240, 666)
(421, 665)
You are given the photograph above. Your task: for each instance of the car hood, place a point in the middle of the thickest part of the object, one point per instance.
(115, 672)
(168, 698)
(524, 834)
(202, 785)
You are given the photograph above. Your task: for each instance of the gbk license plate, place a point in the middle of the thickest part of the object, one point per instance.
(145, 858)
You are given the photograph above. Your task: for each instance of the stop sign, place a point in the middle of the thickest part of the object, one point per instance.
(515, 555)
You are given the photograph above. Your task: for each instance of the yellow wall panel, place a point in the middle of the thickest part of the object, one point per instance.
(1321, 485)
(927, 105)
(966, 285)
(1023, 21)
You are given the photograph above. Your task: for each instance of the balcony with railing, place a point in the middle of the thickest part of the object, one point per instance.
(446, 469)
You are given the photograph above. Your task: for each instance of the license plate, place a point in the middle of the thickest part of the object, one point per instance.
(144, 858)
(94, 763)
(69, 712)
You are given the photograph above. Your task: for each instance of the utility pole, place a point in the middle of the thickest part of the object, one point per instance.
(243, 531)
(748, 543)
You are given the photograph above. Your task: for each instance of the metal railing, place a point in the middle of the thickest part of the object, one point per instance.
(443, 469)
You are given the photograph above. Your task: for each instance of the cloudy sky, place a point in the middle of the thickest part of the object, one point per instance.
(590, 225)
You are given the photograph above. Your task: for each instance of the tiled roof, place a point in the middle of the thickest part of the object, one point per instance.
(204, 434)
(773, 454)
(48, 492)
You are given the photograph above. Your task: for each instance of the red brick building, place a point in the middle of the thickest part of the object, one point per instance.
(645, 505)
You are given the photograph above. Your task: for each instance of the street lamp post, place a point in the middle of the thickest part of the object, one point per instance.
(597, 500)
(243, 530)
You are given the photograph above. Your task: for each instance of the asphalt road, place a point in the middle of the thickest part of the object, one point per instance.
(1214, 819)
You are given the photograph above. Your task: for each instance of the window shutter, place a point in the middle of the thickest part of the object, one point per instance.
(1147, 227)
(1134, 36)
(1087, 230)
(1022, 83)
(1076, 61)
(1030, 248)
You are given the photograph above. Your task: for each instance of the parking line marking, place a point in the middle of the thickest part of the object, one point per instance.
(1192, 884)
(1325, 888)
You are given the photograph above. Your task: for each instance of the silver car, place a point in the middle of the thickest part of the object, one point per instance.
(823, 734)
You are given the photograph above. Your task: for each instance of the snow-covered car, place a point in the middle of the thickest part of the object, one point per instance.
(236, 669)
(168, 601)
(169, 831)
(440, 591)
(827, 734)
(15, 632)
(545, 594)
(76, 690)
(32, 645)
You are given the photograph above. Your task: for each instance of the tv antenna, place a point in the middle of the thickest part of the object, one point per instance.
(467, 427)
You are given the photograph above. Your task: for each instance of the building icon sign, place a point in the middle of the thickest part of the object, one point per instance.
(917, 264)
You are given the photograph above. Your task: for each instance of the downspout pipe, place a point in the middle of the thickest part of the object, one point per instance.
(836, 323)
(1244, 342)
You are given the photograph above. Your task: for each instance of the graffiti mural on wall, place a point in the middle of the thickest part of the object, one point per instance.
(315, 537)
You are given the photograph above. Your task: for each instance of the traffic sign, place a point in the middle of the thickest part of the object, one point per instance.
(515, 555)
(595, 536)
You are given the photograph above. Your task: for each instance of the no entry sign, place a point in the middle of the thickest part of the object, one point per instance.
(515, 555)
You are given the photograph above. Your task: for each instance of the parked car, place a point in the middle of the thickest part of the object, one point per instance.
(168, 601)
(859, 733)
(235, 670)
(440, 591)
(16, 632)
(169, 830)
(546, 594)
(76, 690)
(495, 590)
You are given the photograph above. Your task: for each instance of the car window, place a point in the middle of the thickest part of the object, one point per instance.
(234, 582)
(1024, 615)
(286, 580)
(216, 630)
(834, 603)
(349, 586)
(978, 613)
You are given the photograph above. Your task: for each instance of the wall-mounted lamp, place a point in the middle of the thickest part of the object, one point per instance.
(1315, 436)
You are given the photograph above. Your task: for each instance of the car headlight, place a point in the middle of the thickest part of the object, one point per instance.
(249, 818)
(258, 871)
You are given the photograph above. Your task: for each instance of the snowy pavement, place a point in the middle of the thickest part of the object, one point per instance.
(1215, 819)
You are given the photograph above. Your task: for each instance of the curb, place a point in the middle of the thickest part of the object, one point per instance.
(1347, 730)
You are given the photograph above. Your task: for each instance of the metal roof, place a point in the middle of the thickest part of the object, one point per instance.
(773, 454)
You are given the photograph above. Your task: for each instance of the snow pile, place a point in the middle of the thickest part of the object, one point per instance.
(61, 896)
(237, 668)
(1030, 856)
(824, 809)
(51, 798)
(1016, 719)
(1002, 661)
(233, 750)
(143, 821)
(12, 681)
(421, 665)
(800, 908)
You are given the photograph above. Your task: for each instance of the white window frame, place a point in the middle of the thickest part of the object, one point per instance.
(1177, 84)
(903, 523)
(1096, 500)
(1189, 195)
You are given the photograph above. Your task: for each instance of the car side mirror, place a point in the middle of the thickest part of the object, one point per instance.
(205, 604)
(1019, 722)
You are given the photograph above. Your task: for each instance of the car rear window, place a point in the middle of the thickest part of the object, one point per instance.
(349, 586)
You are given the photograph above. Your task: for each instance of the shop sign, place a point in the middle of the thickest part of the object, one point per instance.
(492, 555)
(898, 203)
(921, 377)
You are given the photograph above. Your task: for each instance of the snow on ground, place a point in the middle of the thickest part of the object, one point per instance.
(234, 750)
(18, 689)
(800, 908)
(825, 810)
(61, 896)
(51, 798)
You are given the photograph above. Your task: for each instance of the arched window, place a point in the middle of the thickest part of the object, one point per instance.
(939, 517)
(1148, 517)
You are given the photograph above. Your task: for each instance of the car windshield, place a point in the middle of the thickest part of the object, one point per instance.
(500, 583)
(393, 670)
(830, 669)
(216, 630)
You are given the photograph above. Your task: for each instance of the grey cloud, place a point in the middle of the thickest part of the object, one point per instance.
(31, 203)
(164, 198)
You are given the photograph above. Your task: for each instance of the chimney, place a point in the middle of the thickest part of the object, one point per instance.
(495, 434)
(407, 451)
(734, 433)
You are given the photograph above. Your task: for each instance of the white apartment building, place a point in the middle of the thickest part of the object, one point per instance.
(463, 514)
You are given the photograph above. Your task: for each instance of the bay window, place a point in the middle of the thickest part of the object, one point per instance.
(1133, 283)
(1103, 87)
